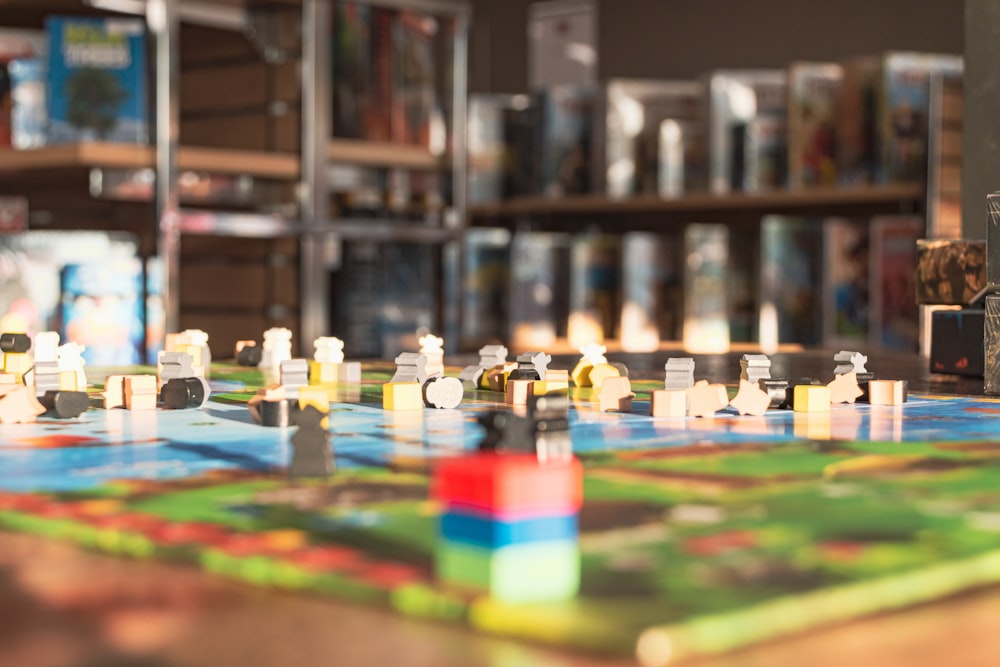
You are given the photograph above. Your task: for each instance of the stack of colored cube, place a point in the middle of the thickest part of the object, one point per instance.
(509, 526)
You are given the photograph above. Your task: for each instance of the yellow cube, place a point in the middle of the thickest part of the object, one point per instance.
(581, 373)
(668, 403)
(811, 398)
(17, 363)
(402, 396)
(68, 381)
(323, 372)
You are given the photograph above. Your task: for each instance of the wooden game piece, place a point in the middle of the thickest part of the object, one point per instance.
(754, 368)
(705, 399)
(490, 356)
(516, 392)
(810, 398)
(402, 396)
(70, 358)
(46, 346)
(7, 378)
(777, 391)
(66, 404)
(410, 367)
(349, 372)
(323, 372)
(292, 375)
(443, 392)
(278, 412)
(887, 392)
(679, 373)
(19, 405)
(431, 349)
(328, 350)
(311, 455)
(140, 392)
(599, 373)
(593, 355)
(496, 378)
(184, 393)
(668, 403)
(173, 364)
(69, 381)
(17, 343)
(248, 353)
(45, 376)
(17, 363)
(556, 380)
(531, 366)
(196, 344)
(616, 395)
(114, 392)
(844, 388)
(850, 362)
(750, 399)
(318, 398)
(277, 348)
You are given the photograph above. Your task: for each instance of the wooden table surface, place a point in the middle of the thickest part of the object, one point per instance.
(61, 606)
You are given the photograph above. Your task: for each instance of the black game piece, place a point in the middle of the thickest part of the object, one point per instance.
(249, 355)
(66, 404)
(777, 390)
(15, 342)
(279, 413)
(311, 455)
(622, 368)
(183, 393)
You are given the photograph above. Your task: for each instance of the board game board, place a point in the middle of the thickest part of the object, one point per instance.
(696, 535)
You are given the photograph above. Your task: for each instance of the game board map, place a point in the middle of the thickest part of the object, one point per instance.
(697, 535)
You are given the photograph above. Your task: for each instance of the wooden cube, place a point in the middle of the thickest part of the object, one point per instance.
(887, 392)
(668, 403)
(811, 398)
(517, 391)
(402, 396)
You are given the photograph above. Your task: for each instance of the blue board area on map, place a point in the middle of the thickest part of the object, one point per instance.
(105, 445)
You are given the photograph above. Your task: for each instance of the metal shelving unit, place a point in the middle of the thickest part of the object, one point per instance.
(320, 233)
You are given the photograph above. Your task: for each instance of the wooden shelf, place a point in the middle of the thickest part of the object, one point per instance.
(381, 154)
(129, 156)
(703, 207)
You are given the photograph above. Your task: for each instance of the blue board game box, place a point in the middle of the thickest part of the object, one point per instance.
(97, 80)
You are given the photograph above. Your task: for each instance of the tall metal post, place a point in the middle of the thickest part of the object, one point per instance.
(163, 19)
(317, 242)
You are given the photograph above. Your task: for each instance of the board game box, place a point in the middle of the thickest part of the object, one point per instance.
(97, 80)
(813, 96)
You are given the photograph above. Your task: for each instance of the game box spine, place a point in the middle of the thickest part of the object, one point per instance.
(595, 288)
(895, 313)
(352, 68)
(564, 142)
(413, 78)
(846, 282)
(736, 100)
(905, 105)
(791, 277)
(628, 117)
(97, 80)
(813, 93)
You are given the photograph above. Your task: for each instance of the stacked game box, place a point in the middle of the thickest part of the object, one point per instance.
(509, 526)
(97, 80)
(747, 120)
(646, 137)
(813, 93)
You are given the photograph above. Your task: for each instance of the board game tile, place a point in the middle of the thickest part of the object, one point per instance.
(520, 573)
(509, 483)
